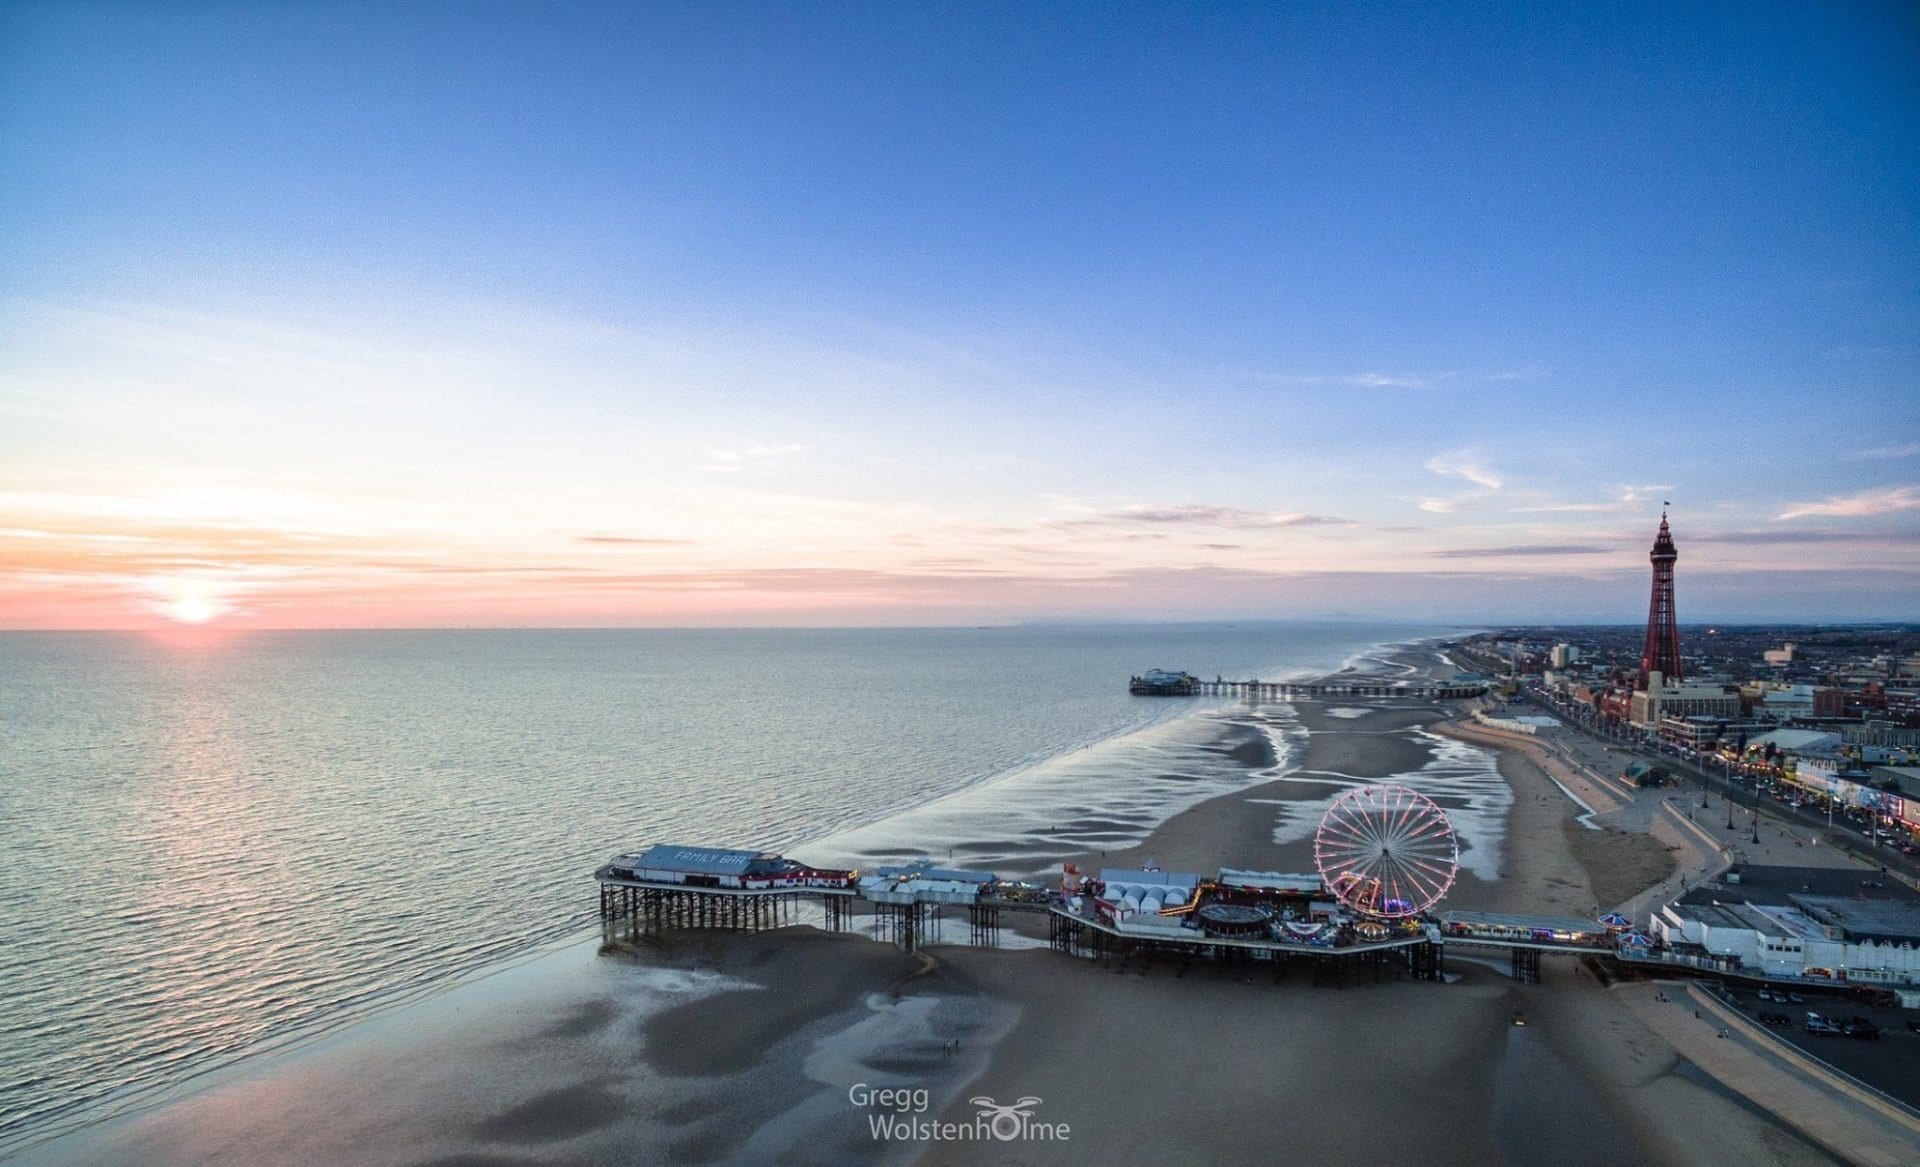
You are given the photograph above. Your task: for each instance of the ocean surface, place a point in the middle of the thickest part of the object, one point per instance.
(208, 851)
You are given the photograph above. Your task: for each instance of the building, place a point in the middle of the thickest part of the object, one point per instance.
(1817, 925)
(1138, 895)
(1883, 733)
(1564, 655)
(1794, 741)
(1779, 656)
(718, 867)
(1660, 699)
(1698, 731)
(922, 882)
(1901, 786)
(1164, 683)
(1785, 702)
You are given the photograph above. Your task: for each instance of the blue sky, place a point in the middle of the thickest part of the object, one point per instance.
(338, 314)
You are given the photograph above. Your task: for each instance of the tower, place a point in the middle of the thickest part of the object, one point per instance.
(1662, 653)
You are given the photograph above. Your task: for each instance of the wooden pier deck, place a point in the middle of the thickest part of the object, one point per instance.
(1275, 691)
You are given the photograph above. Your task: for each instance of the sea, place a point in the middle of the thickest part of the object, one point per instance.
(213, 848)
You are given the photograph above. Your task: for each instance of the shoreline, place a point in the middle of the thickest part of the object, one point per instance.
(1115, 1056)
(1445, 1057)
(370, 1007)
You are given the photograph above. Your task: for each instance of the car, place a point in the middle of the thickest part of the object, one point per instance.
(1767, 995)
(1818, 1024)
(1794, 997)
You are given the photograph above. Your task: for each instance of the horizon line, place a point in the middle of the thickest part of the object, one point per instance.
(1450, 624)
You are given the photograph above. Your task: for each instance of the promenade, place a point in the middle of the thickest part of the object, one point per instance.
(1844, 1118)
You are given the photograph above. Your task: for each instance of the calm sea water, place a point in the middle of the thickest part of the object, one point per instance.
(208, 851)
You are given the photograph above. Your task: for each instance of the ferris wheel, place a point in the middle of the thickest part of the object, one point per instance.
(1386, 851)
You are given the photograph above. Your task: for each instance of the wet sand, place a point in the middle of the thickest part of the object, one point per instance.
(716, 1049)
(708, 1049)
(1149, 1064)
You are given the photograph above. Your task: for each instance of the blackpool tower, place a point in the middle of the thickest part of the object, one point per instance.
(1662, 653)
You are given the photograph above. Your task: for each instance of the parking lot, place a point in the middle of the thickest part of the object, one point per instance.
(1890, 1064)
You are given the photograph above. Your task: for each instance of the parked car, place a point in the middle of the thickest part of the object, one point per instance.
(1818, 1024)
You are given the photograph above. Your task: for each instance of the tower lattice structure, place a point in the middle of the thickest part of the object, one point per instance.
(1662, 651)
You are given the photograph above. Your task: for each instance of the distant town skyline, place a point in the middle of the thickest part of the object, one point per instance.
(590, 314)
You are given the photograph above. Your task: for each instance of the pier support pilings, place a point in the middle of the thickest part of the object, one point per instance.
(651, 910)
(983, 921)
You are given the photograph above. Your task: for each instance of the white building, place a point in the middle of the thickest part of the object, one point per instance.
(1814, 935)
(1660, 699)
(1794, 741)
(1787, 703)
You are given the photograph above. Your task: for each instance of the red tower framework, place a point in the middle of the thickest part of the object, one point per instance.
(1662, 653)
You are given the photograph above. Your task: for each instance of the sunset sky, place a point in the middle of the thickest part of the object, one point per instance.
(328, 315)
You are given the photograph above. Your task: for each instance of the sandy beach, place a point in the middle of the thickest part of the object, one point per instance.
(710, 1048)
(1149, 1066)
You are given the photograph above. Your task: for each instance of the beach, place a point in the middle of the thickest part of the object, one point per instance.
(773, 1047)
(1152, 1067)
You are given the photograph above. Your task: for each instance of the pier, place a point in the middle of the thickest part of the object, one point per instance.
(1159, 683)
(1259, 920)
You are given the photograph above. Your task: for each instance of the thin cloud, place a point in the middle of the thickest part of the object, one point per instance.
(1465, 464)
(632, 541)
(1468, 466)
(1379, 379)
(728, 461)
(1386, 381)
(1368, 379)
(1785, 537)
(1525, 373)
(1201, 515)
(1885, 453)
(1626, 498)
(1223, 516)
(1884, 501)
(1522, 550)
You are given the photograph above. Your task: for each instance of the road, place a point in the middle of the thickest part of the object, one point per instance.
(1714, 799)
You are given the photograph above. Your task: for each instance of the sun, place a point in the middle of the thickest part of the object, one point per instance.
(192, 610)
(193, 602)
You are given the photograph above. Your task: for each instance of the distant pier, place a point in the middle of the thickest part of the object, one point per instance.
(1161, 683)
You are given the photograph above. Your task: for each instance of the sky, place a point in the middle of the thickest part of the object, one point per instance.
(337, 315)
